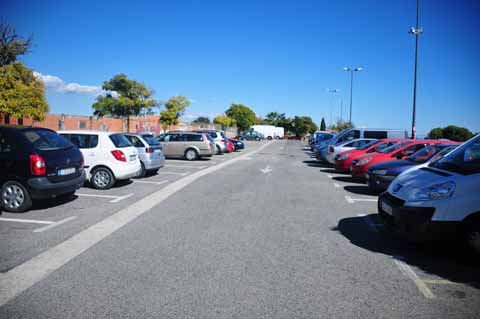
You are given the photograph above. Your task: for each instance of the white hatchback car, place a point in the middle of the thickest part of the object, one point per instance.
(334, 150)
(108, 156)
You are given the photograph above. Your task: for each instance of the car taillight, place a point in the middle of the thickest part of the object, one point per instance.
(37, 165)
(119, 156)
(330, 149)
(149, 150)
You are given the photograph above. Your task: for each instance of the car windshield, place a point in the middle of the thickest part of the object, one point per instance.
(426, 153)
(394, 147)
(324, 136)
(45, 140)
(464, 160)
(119, 140)
(367, 145)
(152, 141)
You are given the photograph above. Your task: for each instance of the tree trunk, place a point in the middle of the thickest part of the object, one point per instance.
(128, 124)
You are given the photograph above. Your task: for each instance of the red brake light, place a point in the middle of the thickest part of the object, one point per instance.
(119, 156)
(149, 150)
(37, 165)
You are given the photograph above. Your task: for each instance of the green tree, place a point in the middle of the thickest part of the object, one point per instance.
(340, 126)
(174, 109)
(274, 118)
(323, 126)
(11, 45)
(304, 125)
(457, 133)
(21, 93)
(126, 98)
(435, 133)
(243, 116)
(201, 120)
(224, 121)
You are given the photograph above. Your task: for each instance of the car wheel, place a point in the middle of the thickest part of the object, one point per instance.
(15, 197)
(269, 138)
(257, 139)
(472, 235)
(191, 154)
(102, 178)
(219, 151)
(142, 172)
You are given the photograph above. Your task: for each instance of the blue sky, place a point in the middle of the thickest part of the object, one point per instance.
(269, 55)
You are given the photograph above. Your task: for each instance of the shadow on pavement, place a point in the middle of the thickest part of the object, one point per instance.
(333, 171)
(315, 163)
(52, 202)
(349, 179)
(448, 260)
(360, 189)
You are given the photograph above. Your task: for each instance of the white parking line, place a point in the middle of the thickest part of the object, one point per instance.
(329, 175)
(353, 200)
(150, 182)
(174, 173)
(408, 271)
(184, 166)
(115, 199)
(31, 221)
(336, 185)
(55, 224)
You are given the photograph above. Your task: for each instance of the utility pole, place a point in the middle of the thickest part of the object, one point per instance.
(416, 31)
(351, 70)
(333, 91)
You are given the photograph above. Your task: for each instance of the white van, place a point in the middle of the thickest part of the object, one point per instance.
(268, 131)
(439, 199)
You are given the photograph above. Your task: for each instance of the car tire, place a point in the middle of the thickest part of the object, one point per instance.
(471, 234)
(15, 197)
(191, 154)
(257, 139)
(143, 171)
(102, 178)
(269, 138)
(219, 150)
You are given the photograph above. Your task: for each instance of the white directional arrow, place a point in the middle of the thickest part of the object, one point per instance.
(266, 170)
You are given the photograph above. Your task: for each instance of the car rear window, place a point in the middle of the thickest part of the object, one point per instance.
(120, 141)
(223, 135)
(193, 137)
(82, 140)
(152, 141)
(213, 134)
(394, 147)
(45, 140)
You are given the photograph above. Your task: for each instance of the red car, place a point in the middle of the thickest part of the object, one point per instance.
(230, 147)
(400, 150)
(343, 160)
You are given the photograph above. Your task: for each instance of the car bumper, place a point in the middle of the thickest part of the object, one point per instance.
(357, 171)
(342, 166)
(155, 163)
(379, 183)
(127, 171)
(414, 223)
(42, 188)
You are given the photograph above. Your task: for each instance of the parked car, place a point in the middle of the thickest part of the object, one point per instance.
(218, 137)
(321, 139)
(239, 145)
(438, 200)
(108, 156)
(354, 133)
(35, 164)
(398, 151)
(150, 152)
(230, 146)
(189, 145)
(343, 160)
(333, 150)
(251, 136)
(379, 176)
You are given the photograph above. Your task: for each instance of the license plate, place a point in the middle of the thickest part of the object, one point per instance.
(133, 157)
(66, 171)
(387, 208)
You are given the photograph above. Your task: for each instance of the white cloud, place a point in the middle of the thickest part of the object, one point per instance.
(56, 84)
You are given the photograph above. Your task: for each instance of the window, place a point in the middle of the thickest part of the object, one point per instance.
(135, 140)
(175, 138)
(350, 135)
(463, 160)
(119, 140)
(150, 139)
(213, 134)
(407, 151)
(5, 145)
(394, 147)
(375, 134)
(193, 137)
(61, 125)
(82, 125)
(83, 140)
(46, 140)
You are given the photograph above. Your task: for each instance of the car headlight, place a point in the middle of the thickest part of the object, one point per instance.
(380, 172)
(344, 157)
(364, 161)
(434, 192)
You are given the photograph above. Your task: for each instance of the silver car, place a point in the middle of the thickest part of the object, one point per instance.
(150, 152)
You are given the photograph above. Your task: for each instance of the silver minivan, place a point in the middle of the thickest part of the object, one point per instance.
(150, 152)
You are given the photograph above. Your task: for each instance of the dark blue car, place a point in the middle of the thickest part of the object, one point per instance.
(382, 174)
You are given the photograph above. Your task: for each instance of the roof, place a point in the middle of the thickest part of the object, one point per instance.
(87, 132)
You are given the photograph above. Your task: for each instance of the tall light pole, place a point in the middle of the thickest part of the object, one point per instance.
(333, 91)
(351, 70)
(416, 31)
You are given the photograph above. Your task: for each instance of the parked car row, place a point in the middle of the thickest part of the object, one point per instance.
(429, 188)
(38, 163)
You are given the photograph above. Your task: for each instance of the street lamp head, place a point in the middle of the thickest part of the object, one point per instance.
(346, 69)
(358, 69)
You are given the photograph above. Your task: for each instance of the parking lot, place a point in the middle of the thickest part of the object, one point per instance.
(270, 233)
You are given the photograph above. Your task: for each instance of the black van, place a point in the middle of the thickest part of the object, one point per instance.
(36, 163)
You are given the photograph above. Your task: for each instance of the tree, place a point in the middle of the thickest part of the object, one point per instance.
(287, 125)
(451, 132)
(201, 120)
(131, 98)
(304, 125)
(274, 118)
(323, 126)
(340, 126)
(174, 108)
(21, 93)
(435, 133)
(243, 116)
(11, 45)
(224, 121)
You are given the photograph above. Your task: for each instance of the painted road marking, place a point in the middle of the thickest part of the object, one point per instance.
(55, 224)
(115, 199)
(31, 221)
(336, 185)
(408, 271)
(353, 200)
(184, 166)
(174, 173)
(266, 169)
(329, 175)
(24, 276)
(150, 182)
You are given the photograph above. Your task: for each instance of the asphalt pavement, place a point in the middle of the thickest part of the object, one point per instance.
(263, 233)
